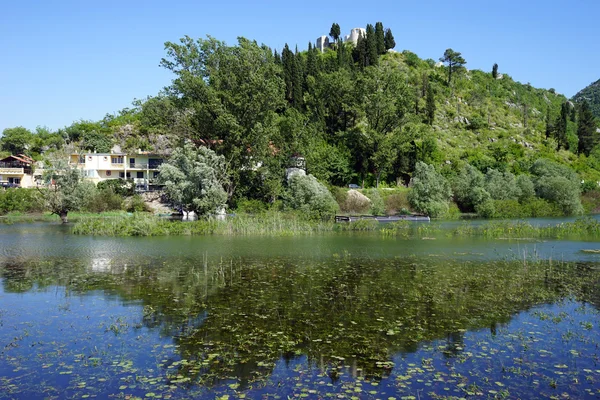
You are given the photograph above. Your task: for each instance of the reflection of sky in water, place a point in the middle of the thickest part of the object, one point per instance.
(96, 344)
(54, 240)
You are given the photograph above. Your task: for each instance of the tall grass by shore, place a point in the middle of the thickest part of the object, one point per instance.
(275, 223)
(291, 224)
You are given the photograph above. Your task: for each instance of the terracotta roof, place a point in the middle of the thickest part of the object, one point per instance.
(20, 157)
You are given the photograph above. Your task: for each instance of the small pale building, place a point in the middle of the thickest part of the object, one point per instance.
(17, 171)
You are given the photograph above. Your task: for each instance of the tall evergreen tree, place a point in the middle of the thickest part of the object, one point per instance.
(389, 41)
(380, 38)
(298, 80)
(586, 129)
(372, 55)
(287, 60)
(335, 31)
(495, 71)
(277, 57)
(430, 105)
(359, 53)
(454, 61)
(573, 115)
(560, 130)
(549, 125)
(311, 61)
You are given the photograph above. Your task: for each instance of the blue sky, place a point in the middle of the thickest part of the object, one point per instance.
(68, 60)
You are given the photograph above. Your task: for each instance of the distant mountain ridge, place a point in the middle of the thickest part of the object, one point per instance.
(591, 93)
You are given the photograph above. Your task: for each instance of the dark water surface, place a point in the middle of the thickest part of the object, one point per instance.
(330, 316)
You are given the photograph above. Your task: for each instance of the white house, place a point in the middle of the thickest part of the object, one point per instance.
(141, 167)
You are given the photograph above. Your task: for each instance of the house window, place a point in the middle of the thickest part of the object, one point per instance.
(81, 160)
(108, 173)
(128, 175)
(140, 175)
(117, 160)
(121, 174)
(156, 174)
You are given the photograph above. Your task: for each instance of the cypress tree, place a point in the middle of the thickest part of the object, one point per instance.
(371, 46)
(549, 126)
(495, 71)
(586, 129)
(430, 105)
(298, 80)
(287, 59)
(277, 57)
(335, 31)
(360, 51)
(311, 61)
(389, 41)
(380, 38)
(561, 127)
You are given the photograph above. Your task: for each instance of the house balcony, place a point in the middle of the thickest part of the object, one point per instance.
(14, 170)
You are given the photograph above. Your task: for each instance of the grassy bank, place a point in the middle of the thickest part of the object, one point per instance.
(75, 216)
(290, 224)
(272, 223)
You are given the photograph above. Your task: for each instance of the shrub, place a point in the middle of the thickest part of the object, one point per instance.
(251, 206)
(121, 187)
(561, 191)
(377, 204)
(20, 200)
(137, 204)
(430, 191)
(526, 189)
(501, 185)
(308, 195)
(486, 208)
(103, 200)
(396, 203)
(468, 187)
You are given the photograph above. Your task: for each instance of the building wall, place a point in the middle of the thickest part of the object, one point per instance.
(98, 167)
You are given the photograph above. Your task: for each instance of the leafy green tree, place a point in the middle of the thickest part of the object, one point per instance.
(501, 185)
(454, 61)
(16, 140)
(558, 184)
(96, 141)
(430, 105)
(380, 38)
(586, 129)
(312, 198)
(430, 191)
(526, 188)
(495, 71)
(231, 96)
(194, 178)
(469, 188)
(386, 102)
(335, 31)
(389, 41)
(65, 189)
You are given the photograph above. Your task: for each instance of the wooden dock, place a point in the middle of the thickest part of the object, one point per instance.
(393, 218)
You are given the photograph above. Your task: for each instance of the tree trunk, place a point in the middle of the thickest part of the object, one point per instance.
(63, 216)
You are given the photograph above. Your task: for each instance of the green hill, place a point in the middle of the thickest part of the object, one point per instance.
(360, 113)
(591, 93)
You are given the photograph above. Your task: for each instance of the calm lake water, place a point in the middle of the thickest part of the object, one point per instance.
(324, 316)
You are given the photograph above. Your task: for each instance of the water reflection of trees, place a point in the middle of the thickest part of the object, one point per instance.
(239, 318)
